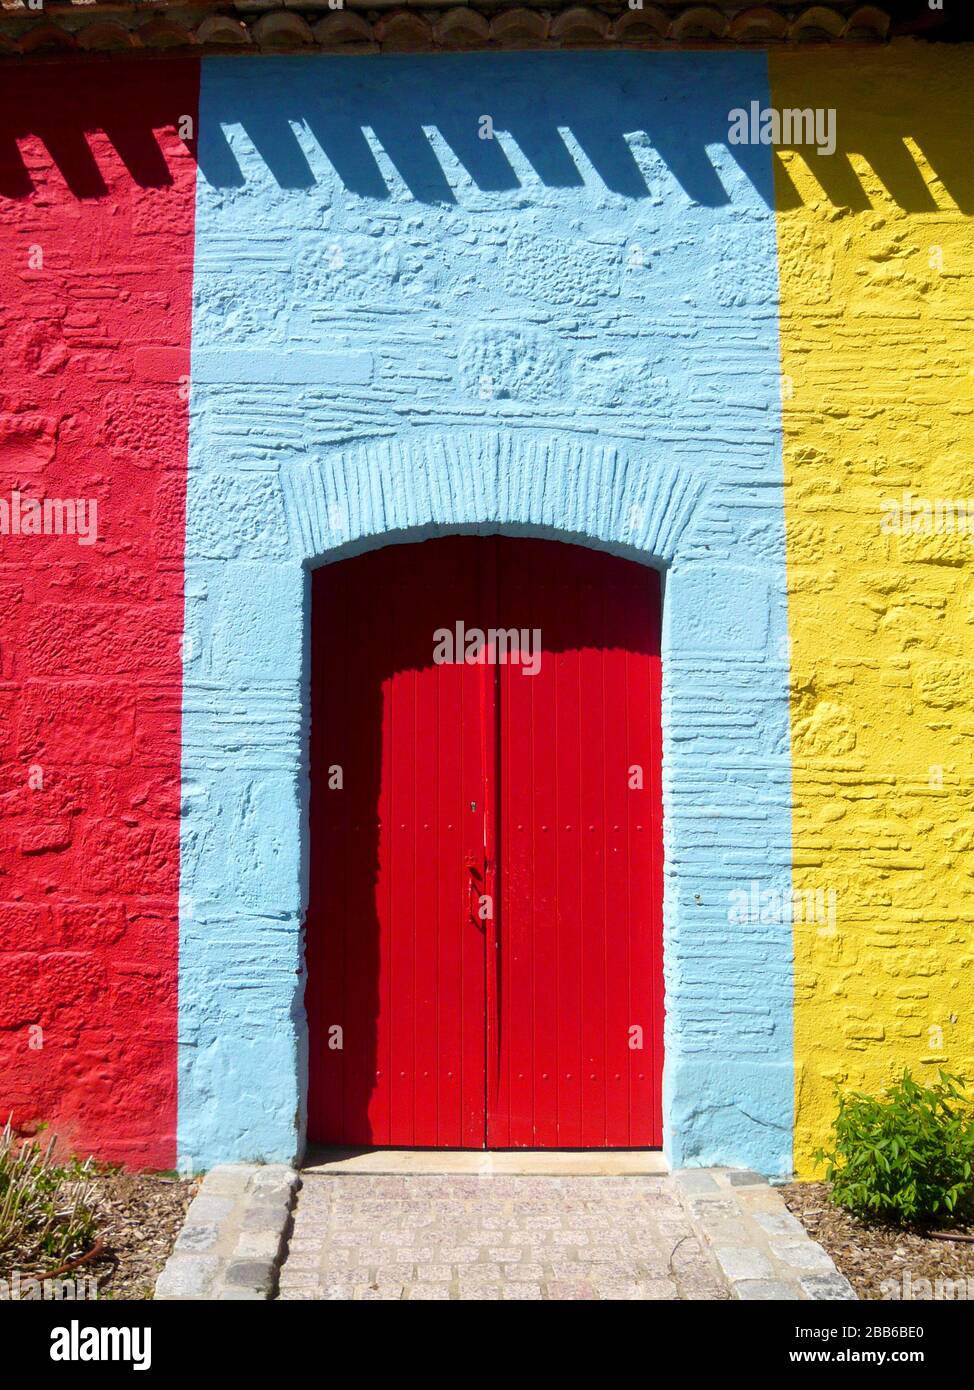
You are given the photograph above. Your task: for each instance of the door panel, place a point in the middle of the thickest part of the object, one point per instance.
(460, 780)
(393, 957)
(581, 862)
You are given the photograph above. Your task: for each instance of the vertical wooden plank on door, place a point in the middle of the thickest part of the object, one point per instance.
(472, 806)
(560, 590)
(597, 713)
(399, 813)
(487, 885)
(640, 1112)
(527, 1002)
(554, 992)
(432, 746)
(446, 756)
(510, 1075)
(624, 910)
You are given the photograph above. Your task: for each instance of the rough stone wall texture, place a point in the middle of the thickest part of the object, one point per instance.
(569, 329)
(96, 248)
(877, 330)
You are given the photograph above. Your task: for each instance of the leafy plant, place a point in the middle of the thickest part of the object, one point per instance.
(46, 1209)
(906, 1156)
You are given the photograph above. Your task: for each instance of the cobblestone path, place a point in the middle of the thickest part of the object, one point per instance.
(369, 1236)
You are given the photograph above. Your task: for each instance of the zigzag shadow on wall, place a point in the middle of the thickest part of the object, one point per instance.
(892, 163)
(382, 120)
(558, 126)
(61, 111)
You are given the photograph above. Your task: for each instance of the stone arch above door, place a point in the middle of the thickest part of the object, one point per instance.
(440, 482)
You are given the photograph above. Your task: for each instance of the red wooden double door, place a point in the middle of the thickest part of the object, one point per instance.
(484, 932)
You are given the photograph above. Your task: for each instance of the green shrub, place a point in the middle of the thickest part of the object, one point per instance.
(906, 1156)
(46, 1209)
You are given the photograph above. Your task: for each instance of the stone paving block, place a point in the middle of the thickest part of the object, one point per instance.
(673, 1231)
(481, 1274)
(250, 1273)
(834, 1287)
(229, 1179)
(713, 1208)
(780, 1224)
(300, 1279)
(187, 1276)
(743, 1262)
(806, 1255)
(748, 1290)
(725, 1231)
(197, 1237)
(266, 1175)
(266, 1216)
(208, 1209)
(755, 1199)
(263, 1245)
(660, 1288)
(395, 1273)
(523, 1273)
(563, 1290)
(695, 1180)
(743, 1177)
(619, 1292)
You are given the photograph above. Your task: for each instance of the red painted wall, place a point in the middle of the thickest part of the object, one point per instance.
(96, 255)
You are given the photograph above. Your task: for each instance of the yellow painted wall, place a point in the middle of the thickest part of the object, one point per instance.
(876, 248)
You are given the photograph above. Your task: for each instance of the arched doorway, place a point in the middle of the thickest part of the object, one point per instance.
(484, 932)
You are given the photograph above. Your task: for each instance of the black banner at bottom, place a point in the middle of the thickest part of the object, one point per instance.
(173, 1339)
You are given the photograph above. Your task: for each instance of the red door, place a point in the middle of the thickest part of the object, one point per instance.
(484, 929)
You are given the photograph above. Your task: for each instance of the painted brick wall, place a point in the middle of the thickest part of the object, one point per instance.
(96, 245)
(877, 330)
(567, 329)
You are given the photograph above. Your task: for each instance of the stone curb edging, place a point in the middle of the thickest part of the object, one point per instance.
(233, 1239)
(760, 1248)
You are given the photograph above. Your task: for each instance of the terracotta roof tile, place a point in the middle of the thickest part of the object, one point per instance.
(149, 26)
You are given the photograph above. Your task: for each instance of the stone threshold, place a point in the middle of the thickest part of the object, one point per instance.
(490, 1163)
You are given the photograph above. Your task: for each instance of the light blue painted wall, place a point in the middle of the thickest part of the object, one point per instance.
(401, 329)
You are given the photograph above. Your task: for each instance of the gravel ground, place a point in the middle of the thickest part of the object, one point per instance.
(871, 1256)
(139, 1217)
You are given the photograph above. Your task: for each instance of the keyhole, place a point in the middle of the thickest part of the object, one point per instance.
(473, 805)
